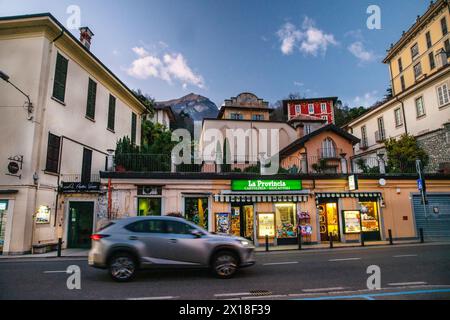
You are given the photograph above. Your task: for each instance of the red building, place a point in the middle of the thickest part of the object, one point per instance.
(318, 107)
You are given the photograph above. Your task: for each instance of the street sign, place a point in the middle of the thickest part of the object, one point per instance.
(420, 184)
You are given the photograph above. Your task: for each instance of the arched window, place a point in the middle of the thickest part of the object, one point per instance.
(328, 149)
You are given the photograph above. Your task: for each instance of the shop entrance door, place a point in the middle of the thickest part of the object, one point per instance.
(81, 220)
(329, 221)
(3, 219)
(242, 216)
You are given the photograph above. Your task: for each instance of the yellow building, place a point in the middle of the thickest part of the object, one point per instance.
(421, 50)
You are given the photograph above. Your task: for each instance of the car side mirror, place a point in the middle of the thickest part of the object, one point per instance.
(196, 233)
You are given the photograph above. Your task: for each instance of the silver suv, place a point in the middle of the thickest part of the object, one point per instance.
(124, 246)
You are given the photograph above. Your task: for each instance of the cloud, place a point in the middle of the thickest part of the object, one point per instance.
(308, 39)
(359, 51)
(366, 100)
(298, 84)
(169, 67)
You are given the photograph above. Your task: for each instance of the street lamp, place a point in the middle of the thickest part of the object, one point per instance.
(5, 77)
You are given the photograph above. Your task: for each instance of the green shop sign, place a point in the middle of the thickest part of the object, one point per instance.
(266, 185)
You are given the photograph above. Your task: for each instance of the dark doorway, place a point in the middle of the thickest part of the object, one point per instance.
(242, 220)
(81, 220)
(329, 221)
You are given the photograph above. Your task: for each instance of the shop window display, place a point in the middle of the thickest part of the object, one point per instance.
(369, 217)
(196, 210)
(149, 207)
(286, 221)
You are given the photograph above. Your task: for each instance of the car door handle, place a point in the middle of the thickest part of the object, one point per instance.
(173, 240)
(133, 238)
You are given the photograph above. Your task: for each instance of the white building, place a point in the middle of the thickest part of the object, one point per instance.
(80, 109)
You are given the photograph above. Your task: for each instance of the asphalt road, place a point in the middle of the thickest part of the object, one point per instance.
(407, 273)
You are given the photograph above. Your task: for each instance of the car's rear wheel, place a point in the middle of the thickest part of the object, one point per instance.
(225, 264)
(122, 267)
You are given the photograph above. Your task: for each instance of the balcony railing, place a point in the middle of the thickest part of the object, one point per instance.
(329, 153)
(79, 178)
(328, 162)
(363, 145)
(380, 136)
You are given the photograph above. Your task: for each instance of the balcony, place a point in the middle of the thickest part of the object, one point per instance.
(380, 136)
(363, 145)
(329, 154)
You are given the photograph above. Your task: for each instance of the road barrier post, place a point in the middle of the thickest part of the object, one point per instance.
(362, 239)
(391, 241)
(267, 243)
(299, 236)
(422, 239)
(331, 240)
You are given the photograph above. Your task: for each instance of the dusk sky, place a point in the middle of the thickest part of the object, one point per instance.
(218, 49)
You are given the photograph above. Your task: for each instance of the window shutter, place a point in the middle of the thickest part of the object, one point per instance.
(59, 84)
(92, 94)
(133, 128)
(111, 112)
(53, 150)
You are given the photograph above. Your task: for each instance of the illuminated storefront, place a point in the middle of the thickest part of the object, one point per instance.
(257, 208)
(343, 216)
(196, 209)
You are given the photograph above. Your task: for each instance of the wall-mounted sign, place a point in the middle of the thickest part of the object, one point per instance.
(266, 185)
(352, 221)
(352, 183)
(80, 187)
(266, 225)
(43, 215)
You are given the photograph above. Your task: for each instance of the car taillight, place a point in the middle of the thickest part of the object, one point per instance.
(97, 237)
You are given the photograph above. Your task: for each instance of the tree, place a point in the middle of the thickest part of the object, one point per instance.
(147, 101)
(403, 153)
(343, 114)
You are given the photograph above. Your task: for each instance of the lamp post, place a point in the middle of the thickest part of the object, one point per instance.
(6, 78)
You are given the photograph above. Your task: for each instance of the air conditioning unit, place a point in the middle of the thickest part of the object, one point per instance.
(149, 191)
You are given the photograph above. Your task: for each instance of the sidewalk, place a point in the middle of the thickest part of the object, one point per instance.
(339, 245)
(83, 253)
(67, 253)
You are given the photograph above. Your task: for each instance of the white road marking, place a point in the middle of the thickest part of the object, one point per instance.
(152, 298)
(280, 263)
(348, 259)
(402, 284)
(240, 294)
(406, 256)
(55, 271)
(264, 297)
(324, 289)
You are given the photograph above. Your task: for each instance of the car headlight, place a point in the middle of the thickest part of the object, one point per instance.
(245, 243)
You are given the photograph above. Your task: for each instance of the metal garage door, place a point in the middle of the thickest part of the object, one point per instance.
(436, 223)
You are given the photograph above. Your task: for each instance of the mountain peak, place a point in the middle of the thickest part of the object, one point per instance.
(197, 106)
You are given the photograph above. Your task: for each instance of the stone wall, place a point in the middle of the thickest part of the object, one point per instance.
(437, 145)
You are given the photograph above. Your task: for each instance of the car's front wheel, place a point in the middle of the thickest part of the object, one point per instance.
(122, 267)
(225, 264)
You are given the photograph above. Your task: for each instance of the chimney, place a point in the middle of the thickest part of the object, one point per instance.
(86, 37)
(300, 131)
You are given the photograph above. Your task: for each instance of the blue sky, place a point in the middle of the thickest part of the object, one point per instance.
(218, 49)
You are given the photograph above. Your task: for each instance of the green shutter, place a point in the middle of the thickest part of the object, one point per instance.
(59, 84)
(133, 128)
(111, 112)
(92, 94)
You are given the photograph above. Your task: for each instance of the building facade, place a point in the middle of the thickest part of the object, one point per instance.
(322, 108)
(420, 106)
(52, 153)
